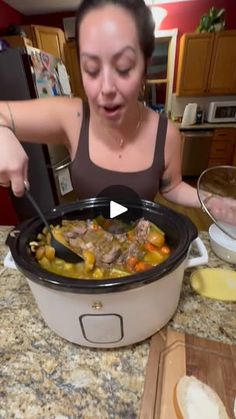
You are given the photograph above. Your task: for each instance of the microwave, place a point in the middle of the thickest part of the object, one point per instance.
(224, 111)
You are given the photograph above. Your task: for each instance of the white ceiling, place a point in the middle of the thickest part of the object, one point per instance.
(36, 7)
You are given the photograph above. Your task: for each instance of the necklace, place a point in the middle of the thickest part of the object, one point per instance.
(122, 140)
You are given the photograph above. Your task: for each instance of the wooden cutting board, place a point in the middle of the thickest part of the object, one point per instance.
(173, 355)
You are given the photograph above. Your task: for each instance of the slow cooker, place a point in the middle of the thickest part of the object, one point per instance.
(112, 312)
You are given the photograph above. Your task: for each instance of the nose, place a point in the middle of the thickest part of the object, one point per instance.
(108, 83)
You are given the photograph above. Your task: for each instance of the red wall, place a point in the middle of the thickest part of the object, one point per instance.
(50, 19)
(9, 16)
(186, 15)
(7, 212)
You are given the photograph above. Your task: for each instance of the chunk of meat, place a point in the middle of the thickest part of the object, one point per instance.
(132, 250)
(112, 254)
(142, 229)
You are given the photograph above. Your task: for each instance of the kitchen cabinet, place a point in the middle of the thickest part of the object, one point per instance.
(72, 65)
(196, 151)
(207, 64)
(48, 39)
(234, 155)
(222, 147)
(52, 40)
(18, 41)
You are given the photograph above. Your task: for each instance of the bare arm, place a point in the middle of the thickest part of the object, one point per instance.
(179, 192)
(172, 187)
(46, 121)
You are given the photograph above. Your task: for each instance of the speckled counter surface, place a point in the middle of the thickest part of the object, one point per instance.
(44, 376)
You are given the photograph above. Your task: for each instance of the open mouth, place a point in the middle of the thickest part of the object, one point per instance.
(111, 109)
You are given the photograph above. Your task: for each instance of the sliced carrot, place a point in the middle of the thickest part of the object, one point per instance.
(142, 266)
(149, 246)
(165, 250)
(131, 262)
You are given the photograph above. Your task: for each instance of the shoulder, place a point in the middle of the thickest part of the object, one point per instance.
(70, 114)
(172, 130)
(173, 137)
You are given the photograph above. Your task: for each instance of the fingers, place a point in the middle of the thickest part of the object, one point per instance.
(20, 181)
(17, 186)
(13, 164)
(5, 184)
(224, 210)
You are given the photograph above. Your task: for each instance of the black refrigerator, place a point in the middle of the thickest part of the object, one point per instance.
(27, 73)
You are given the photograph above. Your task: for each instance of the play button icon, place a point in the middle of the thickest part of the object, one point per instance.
(120, 205)
(116, 209)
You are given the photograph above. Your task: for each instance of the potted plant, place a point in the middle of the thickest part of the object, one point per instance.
(213, 21)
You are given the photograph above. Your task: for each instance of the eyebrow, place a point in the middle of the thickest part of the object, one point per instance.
(115, 56)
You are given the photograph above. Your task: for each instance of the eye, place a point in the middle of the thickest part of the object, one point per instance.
(124, 72)
(92, 73)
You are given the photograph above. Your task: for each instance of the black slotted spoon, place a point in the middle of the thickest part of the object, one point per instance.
(62, 251)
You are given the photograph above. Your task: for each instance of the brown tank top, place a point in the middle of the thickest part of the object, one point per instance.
(89, 180)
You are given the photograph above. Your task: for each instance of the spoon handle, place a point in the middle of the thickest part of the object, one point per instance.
(35, 205)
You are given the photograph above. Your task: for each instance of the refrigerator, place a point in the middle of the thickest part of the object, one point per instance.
(27, 73)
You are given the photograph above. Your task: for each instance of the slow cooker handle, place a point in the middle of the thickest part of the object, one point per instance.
(199, 260)
(12, 237)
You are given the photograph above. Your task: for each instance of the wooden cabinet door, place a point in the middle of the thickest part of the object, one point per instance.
(51, 40)
(194, 64)
(222, 148)
(222, 77)
(17, 41)
(73, 68)
(234, 147)
(234, 155)
(28, 29)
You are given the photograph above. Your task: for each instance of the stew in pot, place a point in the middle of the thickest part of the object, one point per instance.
(108, 248)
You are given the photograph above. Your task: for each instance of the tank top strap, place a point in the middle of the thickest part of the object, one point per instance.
(159, 155)
(84, 133)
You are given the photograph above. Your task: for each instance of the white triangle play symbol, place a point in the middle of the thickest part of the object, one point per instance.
(116, 209)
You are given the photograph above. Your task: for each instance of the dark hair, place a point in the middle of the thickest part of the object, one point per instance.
(140, 12)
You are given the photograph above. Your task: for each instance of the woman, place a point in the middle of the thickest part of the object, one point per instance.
(113, 139)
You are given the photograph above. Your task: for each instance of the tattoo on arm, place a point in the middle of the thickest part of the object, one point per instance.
(78, 114)
(165, 183)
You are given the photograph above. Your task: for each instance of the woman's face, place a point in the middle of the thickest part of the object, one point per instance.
(112, 63)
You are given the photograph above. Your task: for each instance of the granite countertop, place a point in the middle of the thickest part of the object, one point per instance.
(44, 376)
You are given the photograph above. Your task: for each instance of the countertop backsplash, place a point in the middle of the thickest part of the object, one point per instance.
(179, 102)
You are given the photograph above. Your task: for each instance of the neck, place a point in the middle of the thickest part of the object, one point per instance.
(120, 136)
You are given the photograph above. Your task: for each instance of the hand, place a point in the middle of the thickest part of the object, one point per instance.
(222, 208)
(13, 162)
